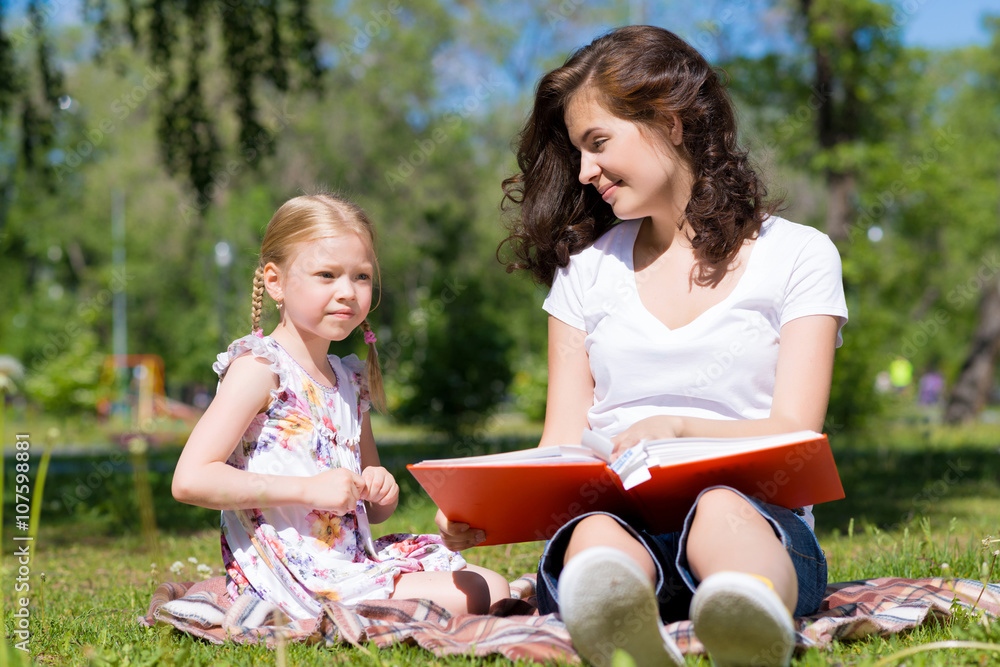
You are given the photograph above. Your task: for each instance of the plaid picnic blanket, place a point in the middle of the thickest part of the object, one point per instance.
(513, 628)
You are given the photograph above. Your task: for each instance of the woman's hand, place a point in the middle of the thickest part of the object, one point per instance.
(457, 536)
(650, 428)
(337, 490)
(380, 486)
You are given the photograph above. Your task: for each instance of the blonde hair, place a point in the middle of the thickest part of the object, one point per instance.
(307, 218)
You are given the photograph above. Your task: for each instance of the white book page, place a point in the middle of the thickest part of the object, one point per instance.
(678, 450)
(557, 454)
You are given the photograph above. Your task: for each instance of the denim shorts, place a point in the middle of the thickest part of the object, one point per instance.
(675, 583)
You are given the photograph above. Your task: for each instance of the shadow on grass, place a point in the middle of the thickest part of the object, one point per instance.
(888, 488)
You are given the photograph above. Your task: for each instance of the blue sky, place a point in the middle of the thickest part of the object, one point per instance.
(946, 23)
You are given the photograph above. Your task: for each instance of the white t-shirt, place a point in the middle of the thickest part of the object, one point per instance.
(721, 365)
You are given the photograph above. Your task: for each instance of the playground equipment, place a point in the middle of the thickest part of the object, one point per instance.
(136, 391)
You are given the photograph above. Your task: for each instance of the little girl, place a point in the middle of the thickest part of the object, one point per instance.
(286, 450)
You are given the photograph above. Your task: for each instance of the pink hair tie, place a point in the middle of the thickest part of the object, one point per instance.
(370, 337)
(259, 333)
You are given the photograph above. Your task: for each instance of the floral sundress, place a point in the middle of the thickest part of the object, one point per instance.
(295, 556)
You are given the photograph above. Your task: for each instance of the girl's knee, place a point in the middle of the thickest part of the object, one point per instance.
(497, 584)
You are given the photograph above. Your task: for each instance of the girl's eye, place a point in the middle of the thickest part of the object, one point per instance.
(364, 276)
(326, 274)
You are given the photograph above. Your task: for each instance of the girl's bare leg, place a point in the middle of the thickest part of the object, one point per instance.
(728, 533)
(468, 591)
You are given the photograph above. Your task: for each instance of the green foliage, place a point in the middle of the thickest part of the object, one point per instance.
(66, 380)
(460, 373)
(457, 367)
(414, 119)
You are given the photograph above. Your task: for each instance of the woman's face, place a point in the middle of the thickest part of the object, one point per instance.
(636, 172)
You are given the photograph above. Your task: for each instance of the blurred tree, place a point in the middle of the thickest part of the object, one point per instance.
(977, 110)
(268, 46)
(851, 55)
(457, 364)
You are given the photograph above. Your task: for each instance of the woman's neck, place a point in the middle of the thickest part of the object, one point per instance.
(658, 236)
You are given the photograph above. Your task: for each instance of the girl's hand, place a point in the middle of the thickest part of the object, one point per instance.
(457, 536)
(337, 490)
(650, 428)
(380, 486)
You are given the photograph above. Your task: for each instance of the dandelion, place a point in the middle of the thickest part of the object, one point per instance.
(11, 371)
(137, 446)
(177, 567)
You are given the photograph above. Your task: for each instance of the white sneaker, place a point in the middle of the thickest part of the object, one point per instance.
(741, 621)
(608, 603)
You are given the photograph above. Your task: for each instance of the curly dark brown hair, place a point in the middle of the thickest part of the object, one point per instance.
(645, 75)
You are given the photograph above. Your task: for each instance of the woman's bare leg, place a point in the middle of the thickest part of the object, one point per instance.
(603, 531)
(728, 533)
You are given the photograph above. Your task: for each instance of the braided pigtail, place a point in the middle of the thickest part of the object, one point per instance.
(373, 373)
(258, 301)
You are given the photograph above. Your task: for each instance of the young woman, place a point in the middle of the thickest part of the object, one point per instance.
(700, 314)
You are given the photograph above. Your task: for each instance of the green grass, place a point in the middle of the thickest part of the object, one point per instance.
(904, 516)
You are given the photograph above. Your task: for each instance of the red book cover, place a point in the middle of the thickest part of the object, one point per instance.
(514, 499)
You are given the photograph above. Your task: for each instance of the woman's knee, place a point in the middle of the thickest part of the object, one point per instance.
(596, 530)
(724, 511)
(724, 508)
(601, 530)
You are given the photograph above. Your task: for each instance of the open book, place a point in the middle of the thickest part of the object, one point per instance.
(527, 495)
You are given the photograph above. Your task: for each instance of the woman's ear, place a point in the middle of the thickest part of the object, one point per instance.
(676, 130)
(272, 281)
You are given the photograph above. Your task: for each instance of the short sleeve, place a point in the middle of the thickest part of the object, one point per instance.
(816, 284)
(565, 298)
(355, 369)
(260, 348)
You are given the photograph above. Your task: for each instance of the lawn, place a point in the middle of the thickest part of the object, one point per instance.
(918, 498)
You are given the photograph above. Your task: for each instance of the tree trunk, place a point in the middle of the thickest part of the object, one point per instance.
(839, 209)
(975, 381)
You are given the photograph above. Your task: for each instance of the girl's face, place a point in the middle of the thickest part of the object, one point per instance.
(636, 172)
(326, 288)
